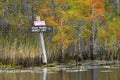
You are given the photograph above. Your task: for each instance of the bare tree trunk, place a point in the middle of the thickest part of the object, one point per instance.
(92, 39)
(62, 45)
(118, 6)
(78, 53)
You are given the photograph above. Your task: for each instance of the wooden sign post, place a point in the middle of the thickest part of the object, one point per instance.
(40, 27)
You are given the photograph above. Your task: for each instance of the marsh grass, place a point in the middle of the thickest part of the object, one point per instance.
(26, 52)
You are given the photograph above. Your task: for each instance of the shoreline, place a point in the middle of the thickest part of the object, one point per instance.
(89, 63)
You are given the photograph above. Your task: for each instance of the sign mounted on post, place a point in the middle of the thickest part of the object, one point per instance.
(39, 23)
(40, 27)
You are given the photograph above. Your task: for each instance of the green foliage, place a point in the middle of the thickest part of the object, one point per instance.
(86, 33)
(65, 36)
(1, 9)
(71, 20)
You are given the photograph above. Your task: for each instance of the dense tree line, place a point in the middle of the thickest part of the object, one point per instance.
(82, 29)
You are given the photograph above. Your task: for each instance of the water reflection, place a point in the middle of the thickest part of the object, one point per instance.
(44, 74)
(62, 74)
(107, 76)
(95, 74)
(48, 74)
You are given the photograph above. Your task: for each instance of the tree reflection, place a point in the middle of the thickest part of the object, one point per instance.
(95, 74)
(107, 76)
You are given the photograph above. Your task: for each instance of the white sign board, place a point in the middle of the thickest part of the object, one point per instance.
(39, 23)
(39, 29)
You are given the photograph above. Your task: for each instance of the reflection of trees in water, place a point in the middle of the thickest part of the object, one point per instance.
(82, 75)
(61, 75)
(95, 74)
(117, 74)
(51, 74)
(107, 76)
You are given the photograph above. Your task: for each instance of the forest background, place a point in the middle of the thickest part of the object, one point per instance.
(81, 29)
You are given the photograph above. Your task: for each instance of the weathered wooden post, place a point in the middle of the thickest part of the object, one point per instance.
(40, 27)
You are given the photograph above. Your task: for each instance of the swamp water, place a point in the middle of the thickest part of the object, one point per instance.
(84, 72)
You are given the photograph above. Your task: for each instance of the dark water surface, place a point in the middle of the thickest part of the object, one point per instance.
(63, 73)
